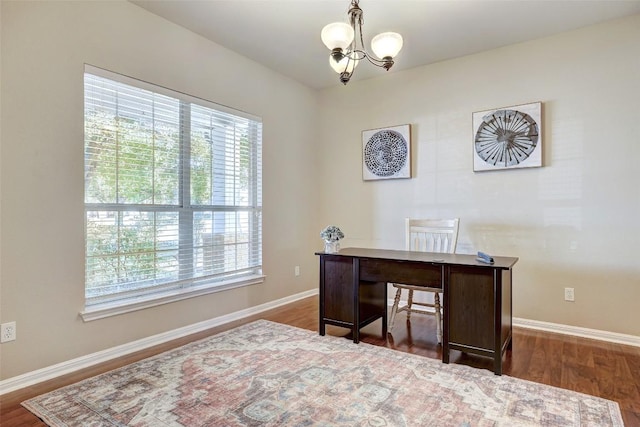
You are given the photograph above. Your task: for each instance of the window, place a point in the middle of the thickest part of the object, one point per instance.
(173, 203)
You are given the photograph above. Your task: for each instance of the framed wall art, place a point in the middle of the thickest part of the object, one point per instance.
(508, 138)
(386, 153)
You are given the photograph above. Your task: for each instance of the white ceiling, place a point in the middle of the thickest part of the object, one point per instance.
(284, 35)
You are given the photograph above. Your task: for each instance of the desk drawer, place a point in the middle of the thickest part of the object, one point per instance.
(407, 272)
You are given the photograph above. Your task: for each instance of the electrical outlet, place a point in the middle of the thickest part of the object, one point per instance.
(8, 332)
(569, 294)
(296, 270)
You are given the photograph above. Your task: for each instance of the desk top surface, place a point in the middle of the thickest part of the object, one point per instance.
(430, 257)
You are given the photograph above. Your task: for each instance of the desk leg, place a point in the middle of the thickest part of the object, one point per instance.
(384, 312)
(356, 300)
(497, 365)
(321, 324)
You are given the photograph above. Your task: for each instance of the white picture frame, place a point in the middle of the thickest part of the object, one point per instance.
(507, 138)
(386, 153)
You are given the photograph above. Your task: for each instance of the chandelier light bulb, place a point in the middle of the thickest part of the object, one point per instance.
(386, 45)
(337, 35)
(345, 65)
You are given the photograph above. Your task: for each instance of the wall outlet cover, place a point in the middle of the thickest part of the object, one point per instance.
(8, 332)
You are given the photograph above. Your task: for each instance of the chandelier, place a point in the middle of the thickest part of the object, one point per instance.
(347, 47)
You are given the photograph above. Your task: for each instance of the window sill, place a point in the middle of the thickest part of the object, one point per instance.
(100, 311)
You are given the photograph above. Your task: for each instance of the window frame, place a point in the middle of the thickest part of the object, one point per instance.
(189, 287)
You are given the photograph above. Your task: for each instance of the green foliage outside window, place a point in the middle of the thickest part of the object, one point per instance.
(133, 178)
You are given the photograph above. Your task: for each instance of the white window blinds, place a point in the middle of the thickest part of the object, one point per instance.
(173, 194)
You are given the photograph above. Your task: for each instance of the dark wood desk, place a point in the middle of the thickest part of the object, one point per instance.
(476, 296)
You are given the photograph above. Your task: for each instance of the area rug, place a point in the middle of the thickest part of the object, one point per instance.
(269, 374)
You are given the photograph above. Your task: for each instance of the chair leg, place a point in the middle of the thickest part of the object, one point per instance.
(409, 303)
(436, 306)
(394, 310)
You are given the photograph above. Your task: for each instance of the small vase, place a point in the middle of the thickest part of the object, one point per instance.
(331, 247)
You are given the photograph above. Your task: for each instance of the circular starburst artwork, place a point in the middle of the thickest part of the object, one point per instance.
(506, 138)
(386, 153)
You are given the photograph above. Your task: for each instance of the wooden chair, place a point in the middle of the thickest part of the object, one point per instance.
(426, 235)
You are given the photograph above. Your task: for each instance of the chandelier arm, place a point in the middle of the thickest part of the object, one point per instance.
(377, 62)
(360, 22)
(357, 20)
(360, 54)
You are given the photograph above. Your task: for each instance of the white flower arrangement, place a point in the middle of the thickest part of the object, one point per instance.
(331, 233)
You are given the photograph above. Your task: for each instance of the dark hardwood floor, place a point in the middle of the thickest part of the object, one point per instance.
(598, 368)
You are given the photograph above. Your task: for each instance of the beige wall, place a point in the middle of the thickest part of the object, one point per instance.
(44, 47)
(573, 223)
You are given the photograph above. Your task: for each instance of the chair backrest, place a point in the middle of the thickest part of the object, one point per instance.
(431, 235)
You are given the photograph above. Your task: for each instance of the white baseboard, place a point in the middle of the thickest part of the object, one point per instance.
(50, 372)
(594, 334)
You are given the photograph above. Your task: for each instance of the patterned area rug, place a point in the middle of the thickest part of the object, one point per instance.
(268, 374)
